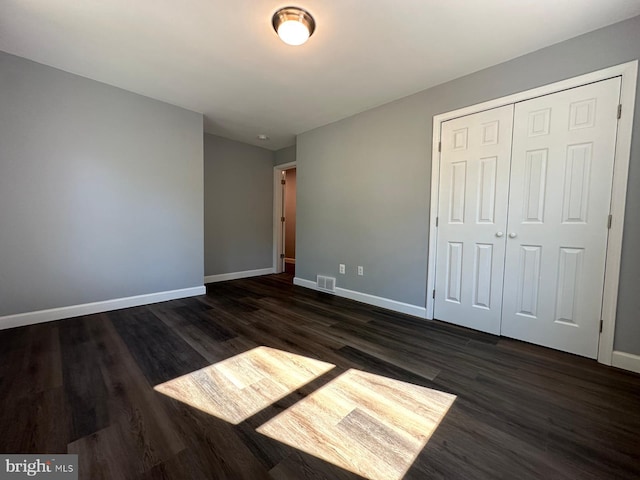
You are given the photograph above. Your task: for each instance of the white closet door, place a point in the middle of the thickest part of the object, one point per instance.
(472, 214)
(560, 191)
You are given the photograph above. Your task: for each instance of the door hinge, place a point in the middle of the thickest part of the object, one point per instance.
(282, 255)
(609, 220)
(619, 111)
(601, 325)
(437, 221)
(282, 219)
(433, 294)
(439, 146)
(283, 181)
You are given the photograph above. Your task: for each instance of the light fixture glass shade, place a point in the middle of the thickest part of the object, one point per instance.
(292, 32)
(293, 25)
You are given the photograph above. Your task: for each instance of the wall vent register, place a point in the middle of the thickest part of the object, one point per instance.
(326, 283)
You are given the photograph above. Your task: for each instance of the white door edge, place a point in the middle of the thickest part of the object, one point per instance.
(278, 240)
(628, 72)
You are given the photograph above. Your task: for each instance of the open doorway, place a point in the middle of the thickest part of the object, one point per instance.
(289, 224)
(284, 219)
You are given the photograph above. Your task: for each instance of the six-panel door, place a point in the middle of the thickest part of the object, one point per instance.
(561, 177)
(472, 213)
(528, 205)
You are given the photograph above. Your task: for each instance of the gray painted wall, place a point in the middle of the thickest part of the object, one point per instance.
(284, 155)
(364, 182)
(238, 206)
(100, 191)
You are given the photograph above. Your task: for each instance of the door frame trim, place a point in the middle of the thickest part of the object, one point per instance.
(278, 239)
(628, 73)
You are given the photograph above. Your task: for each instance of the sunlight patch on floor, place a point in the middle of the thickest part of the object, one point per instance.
(368, 424)
(239, 387)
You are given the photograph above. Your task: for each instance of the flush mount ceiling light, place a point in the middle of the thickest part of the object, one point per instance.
(293, 25)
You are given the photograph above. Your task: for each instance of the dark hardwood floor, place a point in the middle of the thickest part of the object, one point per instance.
(86, 386)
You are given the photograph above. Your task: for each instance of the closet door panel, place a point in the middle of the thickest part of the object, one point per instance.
(560, 191)
(472, 213)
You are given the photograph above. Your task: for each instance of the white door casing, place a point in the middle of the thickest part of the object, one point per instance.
(474, 180)
(559, 203)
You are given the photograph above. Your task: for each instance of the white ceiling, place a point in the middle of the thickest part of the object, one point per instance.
(222, 57)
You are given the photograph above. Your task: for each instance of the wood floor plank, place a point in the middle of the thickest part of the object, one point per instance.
(185, 464)
(422, 366)
(403, 369)
(34, 367)
(133, 405)
(463, 447)
(160, 353)
(205, 322)
(212, 349)
(87, 385)
(221, 452)
(84, 384)
(302, 466)
(37, 423)
(368, 424)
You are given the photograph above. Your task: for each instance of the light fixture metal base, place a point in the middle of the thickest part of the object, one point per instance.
(295, 14)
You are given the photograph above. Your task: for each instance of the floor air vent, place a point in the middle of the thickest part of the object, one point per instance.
(326, 283)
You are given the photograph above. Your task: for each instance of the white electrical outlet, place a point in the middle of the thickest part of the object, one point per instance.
(342, 268)
(360, 270)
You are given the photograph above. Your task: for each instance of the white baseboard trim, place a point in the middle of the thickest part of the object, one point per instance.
(626, 361)
(387, 303)
(40, 316)
(235, 275)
